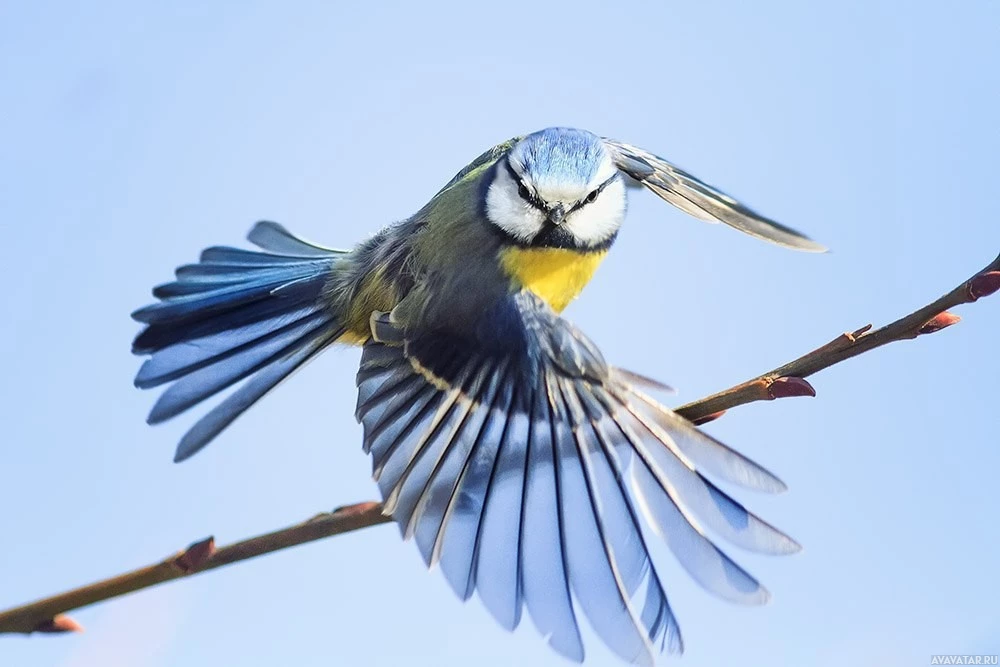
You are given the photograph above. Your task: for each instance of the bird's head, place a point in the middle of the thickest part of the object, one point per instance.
(558, 187)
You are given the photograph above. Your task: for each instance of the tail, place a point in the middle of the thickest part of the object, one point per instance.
(236, 314)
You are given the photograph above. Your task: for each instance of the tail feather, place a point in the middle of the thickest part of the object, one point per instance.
(198, 385)
(200, 284)
(254, 287)
(190, 355)
(189, 272)
(223, 254)
(157, 337)
(209, 426)
(237, 314)
(274, 238)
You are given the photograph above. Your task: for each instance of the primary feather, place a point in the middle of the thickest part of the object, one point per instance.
(535, 475)
(696, 198)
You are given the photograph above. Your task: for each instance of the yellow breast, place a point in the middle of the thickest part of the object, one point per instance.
(556, 275)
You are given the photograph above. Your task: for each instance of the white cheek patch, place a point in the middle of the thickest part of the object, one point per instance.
(507, 210)
(600, 219)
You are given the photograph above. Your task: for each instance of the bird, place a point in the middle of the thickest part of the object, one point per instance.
(524, 465)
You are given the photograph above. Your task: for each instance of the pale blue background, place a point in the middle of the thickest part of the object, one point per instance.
(134, 134)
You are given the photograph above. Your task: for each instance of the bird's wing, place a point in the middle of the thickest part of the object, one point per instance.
(484, 160)
(677, 187)
(536, 475)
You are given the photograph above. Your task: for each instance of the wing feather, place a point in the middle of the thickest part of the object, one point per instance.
(657, 491)
(676, 186)
(537, 476)
(704, 451)
(436, 499)
(412, 464)
(457, 534)
(544, 569)
(499, 537)
(593, 570)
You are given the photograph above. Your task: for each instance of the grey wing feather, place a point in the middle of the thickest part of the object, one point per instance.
(696, 198)
(537, 476)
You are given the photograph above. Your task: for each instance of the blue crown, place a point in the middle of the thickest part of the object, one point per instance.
(560, 154)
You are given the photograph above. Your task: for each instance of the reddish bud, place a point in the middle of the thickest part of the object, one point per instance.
(938, 322)
(984, 284)
(59, 623)
(708, 418)
(196, 555)
(787, 387)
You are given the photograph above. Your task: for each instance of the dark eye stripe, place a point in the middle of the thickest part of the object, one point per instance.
(592, 196)
(531, 198)
(526, 194)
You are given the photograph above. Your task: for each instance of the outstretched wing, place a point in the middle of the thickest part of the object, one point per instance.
(676, 186)
(536, 474)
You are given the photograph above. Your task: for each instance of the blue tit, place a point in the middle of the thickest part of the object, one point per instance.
(523, 464)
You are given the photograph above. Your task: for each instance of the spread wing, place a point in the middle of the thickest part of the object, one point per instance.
(677, 187)
(537, 475)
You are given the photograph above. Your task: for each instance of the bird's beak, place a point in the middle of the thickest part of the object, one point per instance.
(556, 214)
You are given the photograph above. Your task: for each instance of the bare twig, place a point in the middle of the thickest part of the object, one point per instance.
(788, 380)
(47, 615)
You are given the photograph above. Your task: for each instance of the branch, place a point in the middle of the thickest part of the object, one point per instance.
(47, 615)
(788, 380)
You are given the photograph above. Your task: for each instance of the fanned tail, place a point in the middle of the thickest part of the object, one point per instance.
(235, 315)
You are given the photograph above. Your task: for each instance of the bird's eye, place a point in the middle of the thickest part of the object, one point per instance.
(522, 190)
(592, 197)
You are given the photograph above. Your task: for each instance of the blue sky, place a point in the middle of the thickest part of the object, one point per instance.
(135, 134)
